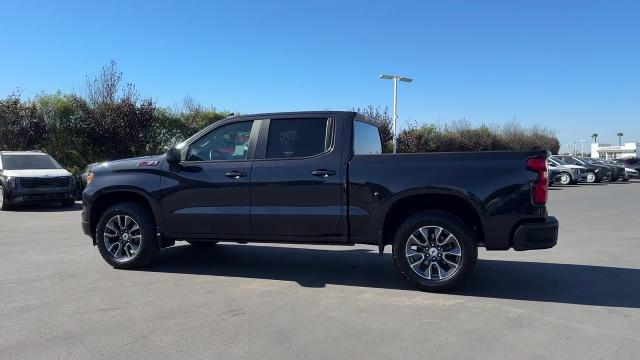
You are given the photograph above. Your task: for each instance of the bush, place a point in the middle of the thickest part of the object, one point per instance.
(461, 136)
(21, 124)
(109, 122)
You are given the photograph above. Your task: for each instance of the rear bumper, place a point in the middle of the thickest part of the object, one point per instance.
(536, 235)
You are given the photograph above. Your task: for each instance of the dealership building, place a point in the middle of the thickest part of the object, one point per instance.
(607, 151)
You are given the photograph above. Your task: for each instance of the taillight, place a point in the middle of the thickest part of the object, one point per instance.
(540, 187)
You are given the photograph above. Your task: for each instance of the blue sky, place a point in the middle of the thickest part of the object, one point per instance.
(573, 66)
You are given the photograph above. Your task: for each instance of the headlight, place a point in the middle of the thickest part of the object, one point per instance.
(90, 177)
(12, 182)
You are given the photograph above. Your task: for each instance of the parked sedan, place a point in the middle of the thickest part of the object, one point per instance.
(617, 171)
(630, 173)
(595, 173)
(565, 173)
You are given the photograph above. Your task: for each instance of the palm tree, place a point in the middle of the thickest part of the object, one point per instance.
(620, 135)
(594, 136)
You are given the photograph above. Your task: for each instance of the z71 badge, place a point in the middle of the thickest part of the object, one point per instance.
(148, 163)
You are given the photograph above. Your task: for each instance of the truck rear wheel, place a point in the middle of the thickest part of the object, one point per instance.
(434, 250)
(126, 236)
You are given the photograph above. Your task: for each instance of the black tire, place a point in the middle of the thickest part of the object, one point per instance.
(68, 203)
(148, 248)
(202, 243)
(4, 202)
(454, 226)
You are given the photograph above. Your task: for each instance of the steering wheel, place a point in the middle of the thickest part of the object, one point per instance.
(212, 151)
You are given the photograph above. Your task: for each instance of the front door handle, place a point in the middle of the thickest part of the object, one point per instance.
(235, 174)
(323, 173)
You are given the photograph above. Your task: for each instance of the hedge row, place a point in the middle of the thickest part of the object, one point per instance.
(461, 136)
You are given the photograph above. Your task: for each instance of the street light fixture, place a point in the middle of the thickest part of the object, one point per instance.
(395, 79)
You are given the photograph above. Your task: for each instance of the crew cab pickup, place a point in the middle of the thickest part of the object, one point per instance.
(320, 178)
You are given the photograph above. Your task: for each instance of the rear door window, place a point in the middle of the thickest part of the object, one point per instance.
(298, 138)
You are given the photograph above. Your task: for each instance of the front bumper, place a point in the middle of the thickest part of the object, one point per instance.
(536, 235)
(86, 215)
(31, 196)
(86, 228)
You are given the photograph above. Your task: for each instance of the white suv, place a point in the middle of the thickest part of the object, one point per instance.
(33, 177)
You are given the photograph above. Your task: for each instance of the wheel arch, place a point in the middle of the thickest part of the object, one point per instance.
(111, 197)
(451, 202)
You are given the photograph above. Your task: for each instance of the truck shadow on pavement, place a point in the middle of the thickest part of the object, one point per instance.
(500, 279)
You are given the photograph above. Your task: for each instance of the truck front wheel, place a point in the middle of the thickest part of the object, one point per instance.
(434, 250)
(126, 236)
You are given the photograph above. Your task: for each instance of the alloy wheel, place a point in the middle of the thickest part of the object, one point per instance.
(122, 237)
(591, 177)
(565, 179)
(433, 253)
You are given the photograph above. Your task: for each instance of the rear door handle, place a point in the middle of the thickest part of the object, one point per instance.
(235, 174)
(323, 173)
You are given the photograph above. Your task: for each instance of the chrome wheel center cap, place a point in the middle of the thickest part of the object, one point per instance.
(125, 236)
(433, 251)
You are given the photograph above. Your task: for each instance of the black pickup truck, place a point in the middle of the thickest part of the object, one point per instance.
(320, 178)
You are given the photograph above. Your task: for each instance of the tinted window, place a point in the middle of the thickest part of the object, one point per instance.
(579, 162)
(295, 138)
(228, 142)
(28, 162)
(366, 139)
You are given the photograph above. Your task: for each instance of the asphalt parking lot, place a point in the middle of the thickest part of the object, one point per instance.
(581, 299)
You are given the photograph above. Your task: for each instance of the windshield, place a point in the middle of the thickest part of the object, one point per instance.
(582, 161)
(557, 161)
(28, 162)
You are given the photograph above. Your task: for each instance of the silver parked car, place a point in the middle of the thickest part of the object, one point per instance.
(565, 173)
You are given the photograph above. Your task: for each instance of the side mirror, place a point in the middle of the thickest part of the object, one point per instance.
(173, 156)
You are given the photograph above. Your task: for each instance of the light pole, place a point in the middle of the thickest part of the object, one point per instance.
(568, 147)
(395, 79)
(575, 148)
(582, 147)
